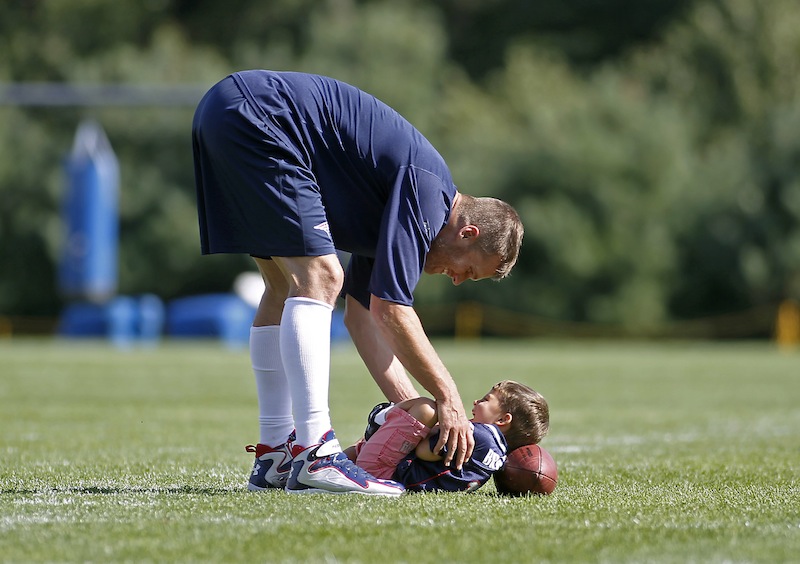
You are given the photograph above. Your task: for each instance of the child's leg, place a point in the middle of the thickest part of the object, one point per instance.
(421, 409)
(396, 438)
(352, 451)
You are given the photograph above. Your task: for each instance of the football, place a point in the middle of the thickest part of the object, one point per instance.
(528, 469)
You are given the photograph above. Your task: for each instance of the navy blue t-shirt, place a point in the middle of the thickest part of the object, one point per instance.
(387, 192)
(487, 458)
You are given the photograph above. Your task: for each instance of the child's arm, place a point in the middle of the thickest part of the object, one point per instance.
(423, 450)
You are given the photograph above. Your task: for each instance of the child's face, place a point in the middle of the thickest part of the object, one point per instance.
(487, 409)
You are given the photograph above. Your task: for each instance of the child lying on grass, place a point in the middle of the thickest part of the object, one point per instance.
(510, 415)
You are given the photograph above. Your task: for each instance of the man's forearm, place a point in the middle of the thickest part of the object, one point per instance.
(404, 333)
(385, 368)
(406, 337)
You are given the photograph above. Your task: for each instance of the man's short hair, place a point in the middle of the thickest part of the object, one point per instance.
(500, 229)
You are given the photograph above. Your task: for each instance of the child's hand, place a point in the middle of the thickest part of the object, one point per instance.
(423, 450)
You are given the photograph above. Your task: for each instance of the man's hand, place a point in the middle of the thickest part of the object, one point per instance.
(455, 433)
(407, 340)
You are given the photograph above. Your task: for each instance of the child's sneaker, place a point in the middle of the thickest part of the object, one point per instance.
(324, 468)
(376, 418)
(271, 467)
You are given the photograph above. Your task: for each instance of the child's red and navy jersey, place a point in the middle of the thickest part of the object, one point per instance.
(487, 458)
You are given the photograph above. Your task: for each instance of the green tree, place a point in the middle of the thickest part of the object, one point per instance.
(733, 68)
(662, 186)
(162, 43)
(652, 150)
(586, 32)
(598, 171)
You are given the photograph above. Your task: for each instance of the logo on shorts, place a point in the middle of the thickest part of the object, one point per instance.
(323, 227)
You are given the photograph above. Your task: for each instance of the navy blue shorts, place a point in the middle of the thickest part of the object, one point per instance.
(255, 193)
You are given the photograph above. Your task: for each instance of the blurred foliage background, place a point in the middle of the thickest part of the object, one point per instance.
(652, 148)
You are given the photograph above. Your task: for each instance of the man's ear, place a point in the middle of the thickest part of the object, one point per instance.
(469, 231)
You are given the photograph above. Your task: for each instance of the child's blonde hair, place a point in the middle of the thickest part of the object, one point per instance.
(530, 415)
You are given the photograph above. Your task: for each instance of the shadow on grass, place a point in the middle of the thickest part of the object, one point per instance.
(117, 490)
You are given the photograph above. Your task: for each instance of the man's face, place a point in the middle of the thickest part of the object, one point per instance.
(460, 259)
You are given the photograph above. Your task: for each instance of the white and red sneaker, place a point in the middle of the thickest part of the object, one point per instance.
(271, 467)
(324, 468)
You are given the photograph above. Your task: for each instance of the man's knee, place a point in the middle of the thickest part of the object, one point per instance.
(320, 278)
(276, 290)
(274, 279)
(327, 277)
(331, 273)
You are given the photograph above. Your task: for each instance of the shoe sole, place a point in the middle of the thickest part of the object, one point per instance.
(356, 492)
(254, 488)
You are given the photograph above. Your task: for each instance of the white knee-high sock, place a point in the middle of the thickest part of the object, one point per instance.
(306, 352)
(274, 401)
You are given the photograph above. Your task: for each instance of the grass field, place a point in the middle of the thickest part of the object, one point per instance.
(666, 453)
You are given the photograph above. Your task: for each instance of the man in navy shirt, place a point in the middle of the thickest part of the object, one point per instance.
(290, 167)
